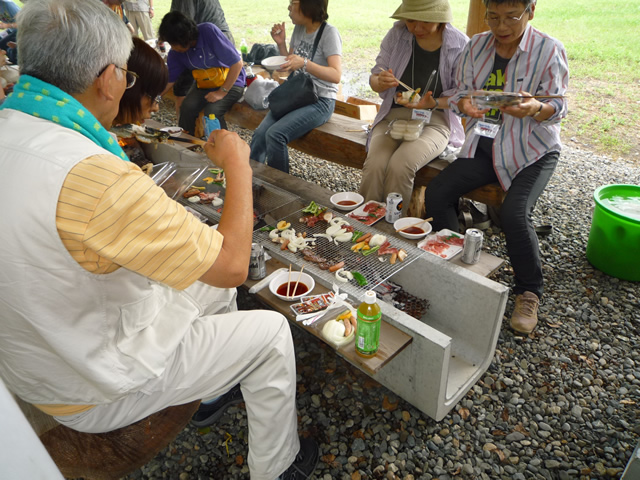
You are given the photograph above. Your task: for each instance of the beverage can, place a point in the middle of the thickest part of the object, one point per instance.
(472, 248)
(394, 207)
(368, 326)
(257, 262)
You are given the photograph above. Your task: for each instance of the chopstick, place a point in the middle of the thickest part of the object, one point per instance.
(544, 96)
(399, 82)
(414, 225)
(289, 281)
(195, 141)
(296, 286)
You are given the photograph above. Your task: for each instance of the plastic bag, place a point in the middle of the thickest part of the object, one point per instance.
(257, 94)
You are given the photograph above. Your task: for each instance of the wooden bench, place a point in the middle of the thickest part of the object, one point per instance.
(342, 140)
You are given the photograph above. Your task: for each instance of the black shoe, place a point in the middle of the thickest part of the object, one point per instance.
(209, 413)
(305, 463)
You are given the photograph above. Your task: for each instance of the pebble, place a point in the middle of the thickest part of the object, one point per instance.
(567, 380)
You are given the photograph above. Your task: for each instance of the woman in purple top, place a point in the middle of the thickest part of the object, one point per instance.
(200, 47)
(422, 51)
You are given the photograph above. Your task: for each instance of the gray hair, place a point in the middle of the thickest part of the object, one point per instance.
(67, 43)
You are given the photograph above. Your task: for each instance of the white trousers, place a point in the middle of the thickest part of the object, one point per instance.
(223, 348)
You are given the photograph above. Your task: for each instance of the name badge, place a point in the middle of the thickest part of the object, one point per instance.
(424, 115)
(486, 129)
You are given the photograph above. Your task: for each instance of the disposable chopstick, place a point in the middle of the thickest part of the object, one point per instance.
(289, 281)
(414, 225)
(544, 96)
(295, 288)
(399, 82)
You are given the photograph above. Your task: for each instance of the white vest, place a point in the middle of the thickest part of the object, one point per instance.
(68, 336)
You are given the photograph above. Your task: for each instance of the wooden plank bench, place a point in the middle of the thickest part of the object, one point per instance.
(342, 140)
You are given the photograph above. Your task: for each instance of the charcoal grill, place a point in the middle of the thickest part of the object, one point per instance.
(371, 266)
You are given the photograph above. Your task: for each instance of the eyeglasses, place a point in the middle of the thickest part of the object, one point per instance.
(494, 20)
(131, 76)
(154, 100)
(293, 2)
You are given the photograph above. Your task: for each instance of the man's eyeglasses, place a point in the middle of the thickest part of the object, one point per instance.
(494, 20)
(154, 100)
(131, 76)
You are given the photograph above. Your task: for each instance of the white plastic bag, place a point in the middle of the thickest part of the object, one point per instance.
(258, 92)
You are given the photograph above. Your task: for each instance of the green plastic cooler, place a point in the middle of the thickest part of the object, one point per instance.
(614, 239)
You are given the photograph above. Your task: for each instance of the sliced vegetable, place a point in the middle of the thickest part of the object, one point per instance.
(356, 235)
(358, 246)
(371, 250)
(283, 225)
(312, 208)
(358, 277)
(377, 240)
(267, 228)
(341, 277)
(402, 254)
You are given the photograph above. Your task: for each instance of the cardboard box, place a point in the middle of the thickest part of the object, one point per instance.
(357, 108)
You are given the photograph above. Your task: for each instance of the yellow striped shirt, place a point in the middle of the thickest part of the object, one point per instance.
(111, 215)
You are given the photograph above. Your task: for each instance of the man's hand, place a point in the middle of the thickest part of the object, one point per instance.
(224, 148)
(278, 33)
(213, 97)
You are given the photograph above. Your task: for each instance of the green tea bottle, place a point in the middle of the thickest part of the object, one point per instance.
(368, 330)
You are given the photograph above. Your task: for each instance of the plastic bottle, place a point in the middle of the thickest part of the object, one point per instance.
(244, 49)
(368, 330)
(211, 123)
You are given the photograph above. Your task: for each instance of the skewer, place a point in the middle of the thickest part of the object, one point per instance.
(296, 286)
(414, 225)
(289, 280)
(399, 82)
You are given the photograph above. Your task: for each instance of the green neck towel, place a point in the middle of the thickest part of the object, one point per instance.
(43, 100)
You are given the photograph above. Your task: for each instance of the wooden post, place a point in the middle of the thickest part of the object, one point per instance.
(475, 20)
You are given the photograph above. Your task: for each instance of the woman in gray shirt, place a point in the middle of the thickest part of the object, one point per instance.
(269, 142)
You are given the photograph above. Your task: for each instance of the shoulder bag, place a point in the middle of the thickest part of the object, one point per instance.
(297, 91)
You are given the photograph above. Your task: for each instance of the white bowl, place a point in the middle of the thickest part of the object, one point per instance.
(354, 197)
(408, 221)
(283, 278)
(274, 63)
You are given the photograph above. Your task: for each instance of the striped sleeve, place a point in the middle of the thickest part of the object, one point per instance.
(111, 215)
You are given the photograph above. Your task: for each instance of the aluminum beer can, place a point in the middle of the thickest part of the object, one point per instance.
(473, 238)
(394, 207)
(257, 263)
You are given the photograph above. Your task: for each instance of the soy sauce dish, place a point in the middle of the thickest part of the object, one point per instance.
(346, 200)
(414, 228)
(279, 284)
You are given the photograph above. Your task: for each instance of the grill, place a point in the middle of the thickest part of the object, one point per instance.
(269, 202)
(374, 270)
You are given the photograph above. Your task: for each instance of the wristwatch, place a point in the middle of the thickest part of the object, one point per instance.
(539, 110)
(224, 90)
(304, 67)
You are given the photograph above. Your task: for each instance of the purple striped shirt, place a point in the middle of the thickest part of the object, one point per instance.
(395, 52)
(539, 67)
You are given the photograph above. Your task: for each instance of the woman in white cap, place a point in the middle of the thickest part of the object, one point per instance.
(422, 51)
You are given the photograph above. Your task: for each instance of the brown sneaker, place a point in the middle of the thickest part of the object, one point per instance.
(525, 313)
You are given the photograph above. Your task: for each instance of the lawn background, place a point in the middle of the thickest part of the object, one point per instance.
(601, 38)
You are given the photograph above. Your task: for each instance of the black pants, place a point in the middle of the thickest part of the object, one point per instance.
(466, 174)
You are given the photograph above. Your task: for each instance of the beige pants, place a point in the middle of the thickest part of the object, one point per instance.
(142, 21)
(223, 348)
(391, 165)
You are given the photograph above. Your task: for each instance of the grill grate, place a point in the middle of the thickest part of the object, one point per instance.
(269, 202)
(374, 270)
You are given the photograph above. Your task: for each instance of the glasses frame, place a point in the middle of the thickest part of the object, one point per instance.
(130, 76)
(154, 100)
(509, 21)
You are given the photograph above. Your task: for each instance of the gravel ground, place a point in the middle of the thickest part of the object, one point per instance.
(559, 404)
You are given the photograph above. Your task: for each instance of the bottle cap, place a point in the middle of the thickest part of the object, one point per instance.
(212, 116)
(370, 297)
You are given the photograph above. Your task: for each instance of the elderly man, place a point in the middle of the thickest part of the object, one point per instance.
(116, 301)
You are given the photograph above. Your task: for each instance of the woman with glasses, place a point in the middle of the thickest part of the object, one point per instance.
(270, 139)
(517, 145)
(202, 49)
(147, 77)
(421, 50)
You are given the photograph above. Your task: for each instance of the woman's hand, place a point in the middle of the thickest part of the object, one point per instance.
(466, 106)
(293, 63)
(278, 33)
(427, 102)
(527, 108)
(383, 81)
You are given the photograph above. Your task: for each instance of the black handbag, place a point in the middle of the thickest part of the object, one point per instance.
(297, 91)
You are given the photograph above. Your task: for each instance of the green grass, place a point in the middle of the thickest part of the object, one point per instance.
(601, 41)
